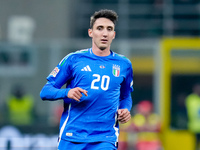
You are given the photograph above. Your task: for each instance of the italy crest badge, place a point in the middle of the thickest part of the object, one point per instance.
(116, 70)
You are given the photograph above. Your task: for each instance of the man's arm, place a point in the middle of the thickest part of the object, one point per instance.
(56, 79)
(50, 92)
(125, 97)
(125, 101)
(124, 115)
(124, 109)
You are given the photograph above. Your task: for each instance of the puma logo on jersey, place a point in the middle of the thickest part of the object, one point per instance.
(87, 68)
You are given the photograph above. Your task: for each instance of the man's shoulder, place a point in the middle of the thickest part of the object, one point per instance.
(73, 55)
(78, 53)
(82, 51)
(122, 58)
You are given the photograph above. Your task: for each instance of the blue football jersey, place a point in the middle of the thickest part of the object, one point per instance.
(109, 82)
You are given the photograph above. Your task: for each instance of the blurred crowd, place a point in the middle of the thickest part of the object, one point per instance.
(142, 132)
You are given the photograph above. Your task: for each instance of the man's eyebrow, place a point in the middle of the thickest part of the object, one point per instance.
(110, 27)
(102, 26)
(99, 26)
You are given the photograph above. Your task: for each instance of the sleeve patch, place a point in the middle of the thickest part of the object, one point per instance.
(54, 72)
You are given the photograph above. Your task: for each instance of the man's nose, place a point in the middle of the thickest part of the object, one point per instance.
(105, 33)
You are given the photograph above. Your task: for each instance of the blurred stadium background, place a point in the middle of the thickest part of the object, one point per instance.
(160, 37)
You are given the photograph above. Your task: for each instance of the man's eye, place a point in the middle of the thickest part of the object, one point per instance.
(99, 28)
(109, 29)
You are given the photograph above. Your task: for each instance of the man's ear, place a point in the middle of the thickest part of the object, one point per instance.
(114, 35)
(90, 32)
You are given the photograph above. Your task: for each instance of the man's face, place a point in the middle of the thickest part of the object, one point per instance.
(102, 33)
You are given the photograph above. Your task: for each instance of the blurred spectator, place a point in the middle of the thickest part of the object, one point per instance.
(123, 136)
(20, 107)
(193, 109)
(179, 111)
(146, 125)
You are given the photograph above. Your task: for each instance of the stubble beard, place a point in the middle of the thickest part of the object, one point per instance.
(102, 48)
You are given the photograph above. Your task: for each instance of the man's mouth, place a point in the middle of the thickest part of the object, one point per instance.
(104, 40)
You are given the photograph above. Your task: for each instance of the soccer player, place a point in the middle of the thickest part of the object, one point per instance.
(98, 90)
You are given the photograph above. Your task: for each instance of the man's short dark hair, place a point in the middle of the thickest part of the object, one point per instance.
(104, 13)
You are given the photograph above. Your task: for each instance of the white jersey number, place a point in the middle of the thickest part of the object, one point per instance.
(105, 80)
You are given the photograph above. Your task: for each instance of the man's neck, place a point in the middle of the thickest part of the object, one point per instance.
(99, 52)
